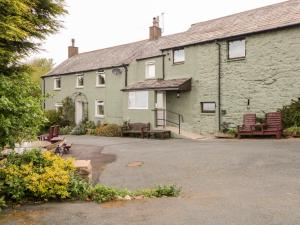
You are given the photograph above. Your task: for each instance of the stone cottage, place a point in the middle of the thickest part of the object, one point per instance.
(209, 75)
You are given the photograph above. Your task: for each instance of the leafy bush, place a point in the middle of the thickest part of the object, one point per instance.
(160, 191)
(65, 130)
(108, 130)
(68, 112)
(89, 125)
(53, 118)
(2, 203)
(232, 131)
(292, 131)
(35, 174)
(79, 130)
(291, 114)
(79, 189)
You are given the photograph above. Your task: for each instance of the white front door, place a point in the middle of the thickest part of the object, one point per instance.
(78, 112)
(161, 107)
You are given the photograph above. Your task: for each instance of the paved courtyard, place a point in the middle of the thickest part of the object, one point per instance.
(224, 182)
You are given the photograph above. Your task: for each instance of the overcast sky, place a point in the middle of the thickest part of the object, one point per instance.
(98, 24)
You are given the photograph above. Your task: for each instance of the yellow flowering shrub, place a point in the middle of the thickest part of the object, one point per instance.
(36, 175)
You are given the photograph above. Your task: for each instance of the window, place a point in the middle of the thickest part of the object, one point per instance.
(100, 79)
(237, 49)
(80, 81)
(57, 83)
(58, 106)
(178, 56)
(99, 108)
(138, 100)
(150, 70)
(208, 107)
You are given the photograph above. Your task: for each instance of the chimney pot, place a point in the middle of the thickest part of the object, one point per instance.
(72, 50)
(155, 30)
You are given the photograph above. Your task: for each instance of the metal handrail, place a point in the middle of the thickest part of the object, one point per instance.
(180, 118)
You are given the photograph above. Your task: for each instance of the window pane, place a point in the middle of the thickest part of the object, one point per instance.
(131, 97)
(101, 79)
(179, 55)
(138, 99)
(80, 81)
(237, 49)
(99, 108)
(150, 70)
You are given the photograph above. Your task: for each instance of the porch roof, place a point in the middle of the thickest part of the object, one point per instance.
(181, 84)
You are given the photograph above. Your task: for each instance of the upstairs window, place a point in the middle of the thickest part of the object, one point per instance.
(99, 108)
(178, 56)
(57, 83)
(150, 70)
(80, 81)
(138, 100)
(100, 79)
(237, 49)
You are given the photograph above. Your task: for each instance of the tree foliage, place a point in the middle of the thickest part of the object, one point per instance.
(22, 24)
(21, 115)
(40, 67)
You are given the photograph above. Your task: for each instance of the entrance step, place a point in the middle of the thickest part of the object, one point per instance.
(186, 134)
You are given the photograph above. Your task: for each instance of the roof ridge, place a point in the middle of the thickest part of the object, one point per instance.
(115, 46)
(238, 13)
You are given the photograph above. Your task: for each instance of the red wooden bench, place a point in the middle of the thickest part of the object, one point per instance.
(140, 129)
(273, 124)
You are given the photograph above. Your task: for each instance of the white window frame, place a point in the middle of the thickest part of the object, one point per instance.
(242, 53)
(55, 84)
(58, 105)
(77, 83)
(97, 103)
(176, 61)
(132, 97)
(100, 73)
(204, 106)
(147, 75)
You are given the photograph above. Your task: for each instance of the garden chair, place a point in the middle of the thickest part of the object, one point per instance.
(273, 124)
(49, 136)
(249, 121)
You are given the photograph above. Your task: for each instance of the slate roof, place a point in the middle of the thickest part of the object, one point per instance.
(182, 84)
(257, 20)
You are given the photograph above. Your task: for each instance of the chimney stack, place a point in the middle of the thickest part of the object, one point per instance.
(155, 30)
(72, 50)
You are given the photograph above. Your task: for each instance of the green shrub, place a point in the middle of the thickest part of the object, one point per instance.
(160, 191)
(108, 130)
(292, 131)
(102, 193)
(232, 131)
(79, 130)
(89, 125)
(2, 203)
(65, 130)
(53, 118)
(35, 175)
(291, 114)
(79, 189)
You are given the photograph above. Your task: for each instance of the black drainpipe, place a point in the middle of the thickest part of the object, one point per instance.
(44, 92)
(219, 84)
(163, 67)
(126, 74)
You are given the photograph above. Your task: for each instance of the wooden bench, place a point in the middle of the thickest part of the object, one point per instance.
(271, 126)
(139, 129)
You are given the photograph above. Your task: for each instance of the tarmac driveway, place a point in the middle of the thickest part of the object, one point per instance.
(240, 182)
